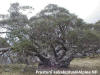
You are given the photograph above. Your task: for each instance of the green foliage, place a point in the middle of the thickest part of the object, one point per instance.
(72, 36)
(22, 46)
(3, 43)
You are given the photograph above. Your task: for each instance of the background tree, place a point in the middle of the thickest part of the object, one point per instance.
(16, 25)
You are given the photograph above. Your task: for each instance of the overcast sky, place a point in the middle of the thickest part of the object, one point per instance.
(86, 9)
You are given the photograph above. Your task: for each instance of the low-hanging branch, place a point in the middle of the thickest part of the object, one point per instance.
(5, 49)
(4, 32)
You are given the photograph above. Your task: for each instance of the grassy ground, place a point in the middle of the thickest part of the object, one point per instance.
(77, 64)
(86, 64)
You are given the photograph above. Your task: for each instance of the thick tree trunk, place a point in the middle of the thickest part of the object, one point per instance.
(64, 63)
(52, 63)
(44, 61)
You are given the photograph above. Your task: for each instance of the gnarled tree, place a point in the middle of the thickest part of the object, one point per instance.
(54, 35)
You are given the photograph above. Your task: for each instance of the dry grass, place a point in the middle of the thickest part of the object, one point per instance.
(76, 64)
(86, 62)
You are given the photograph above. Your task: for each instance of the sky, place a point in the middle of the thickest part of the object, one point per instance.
(88, 10)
